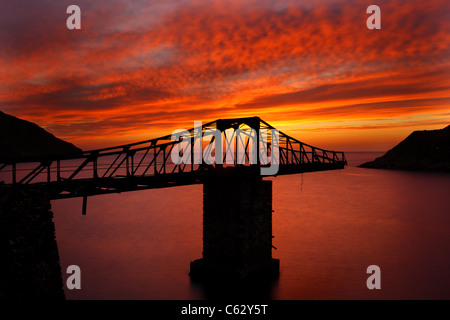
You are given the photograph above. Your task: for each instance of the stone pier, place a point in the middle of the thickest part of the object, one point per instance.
(237, 226)
(29, 259)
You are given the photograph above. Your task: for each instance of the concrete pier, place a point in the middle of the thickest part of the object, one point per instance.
(29, 259)
(237, 226)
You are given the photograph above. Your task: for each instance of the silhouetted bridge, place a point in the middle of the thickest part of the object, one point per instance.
(147, 164)
(237, 202)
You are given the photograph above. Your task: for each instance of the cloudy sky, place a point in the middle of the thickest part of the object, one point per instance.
(140, 69)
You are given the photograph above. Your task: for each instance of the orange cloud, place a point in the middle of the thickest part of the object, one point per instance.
(136, 70)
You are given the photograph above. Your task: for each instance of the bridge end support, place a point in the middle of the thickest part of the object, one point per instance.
(30, 266)
(237, 227)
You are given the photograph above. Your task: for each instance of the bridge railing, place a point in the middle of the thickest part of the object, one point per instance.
(153, 157)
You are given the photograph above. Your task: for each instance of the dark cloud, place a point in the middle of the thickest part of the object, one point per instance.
(381, 109)
(345, 91)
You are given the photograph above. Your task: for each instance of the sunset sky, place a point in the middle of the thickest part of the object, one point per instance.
(140, 69)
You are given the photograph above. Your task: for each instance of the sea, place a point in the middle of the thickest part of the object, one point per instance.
(329, 227)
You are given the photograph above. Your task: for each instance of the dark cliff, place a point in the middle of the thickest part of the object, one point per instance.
(20, 139)
(422, 150)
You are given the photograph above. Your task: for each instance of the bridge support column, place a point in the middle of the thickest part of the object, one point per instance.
(29, 259)
(237, 226)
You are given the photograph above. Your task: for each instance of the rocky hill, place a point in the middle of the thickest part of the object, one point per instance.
(20, 139)
(421, 150)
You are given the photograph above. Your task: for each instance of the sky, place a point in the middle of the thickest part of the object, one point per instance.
(140, 69)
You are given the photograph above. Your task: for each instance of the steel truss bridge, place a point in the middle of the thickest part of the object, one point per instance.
(148, 164)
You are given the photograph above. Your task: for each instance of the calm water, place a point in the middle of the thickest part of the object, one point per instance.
(328, 227)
